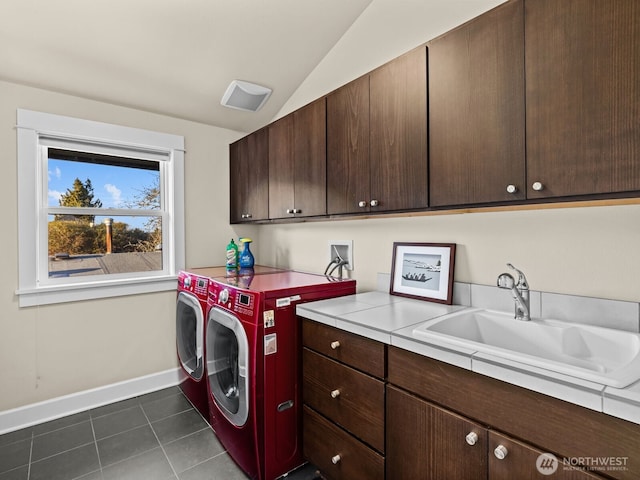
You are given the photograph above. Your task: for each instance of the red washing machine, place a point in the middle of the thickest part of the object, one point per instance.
(191, 313)
(253, 363)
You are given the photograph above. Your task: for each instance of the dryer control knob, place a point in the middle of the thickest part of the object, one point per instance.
(187, 282)
(224, 296)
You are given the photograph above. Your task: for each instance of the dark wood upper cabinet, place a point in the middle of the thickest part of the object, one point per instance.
(477, 110)
(398, 134)
(281, 167)
(348, 166)
(297, 163)
(583, 96)
(249, 177)
(311, 159)
(534, 100)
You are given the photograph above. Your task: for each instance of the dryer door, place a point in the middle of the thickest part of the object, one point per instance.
(228, 365)
(189, 334)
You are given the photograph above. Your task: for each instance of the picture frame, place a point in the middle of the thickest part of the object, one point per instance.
(423, 271)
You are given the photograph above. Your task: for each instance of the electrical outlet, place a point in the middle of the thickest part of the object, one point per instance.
(342, 249)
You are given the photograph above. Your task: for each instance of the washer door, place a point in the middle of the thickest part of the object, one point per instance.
(228, 365)
(189, 334)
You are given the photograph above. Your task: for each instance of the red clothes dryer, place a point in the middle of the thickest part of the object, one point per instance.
(253, 363)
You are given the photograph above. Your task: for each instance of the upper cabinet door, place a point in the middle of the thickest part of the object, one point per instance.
(348, 148)
(583, 96)
(398, 133)
(249, 177)
(297, 163)
(476, 110)
(310, 146)
(281, 167)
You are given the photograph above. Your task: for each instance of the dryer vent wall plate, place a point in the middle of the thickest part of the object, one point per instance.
(245, 96)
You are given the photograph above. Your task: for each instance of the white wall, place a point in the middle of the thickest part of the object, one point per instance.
(584, 251)
(54, 350)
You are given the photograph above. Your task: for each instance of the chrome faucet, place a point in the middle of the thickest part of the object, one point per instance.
(520, 291)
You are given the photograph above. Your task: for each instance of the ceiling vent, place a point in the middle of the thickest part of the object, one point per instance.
(245, 96)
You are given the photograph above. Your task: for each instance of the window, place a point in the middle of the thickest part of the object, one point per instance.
(100, 209)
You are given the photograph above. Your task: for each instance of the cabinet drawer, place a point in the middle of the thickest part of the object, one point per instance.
(356, 351)
(350, 398)
(324, 443)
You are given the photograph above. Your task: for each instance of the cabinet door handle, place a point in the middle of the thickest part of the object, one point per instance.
(335, 459)
(501, 452)
(246, 215)
(374, 203)
(335, 393)
(290, 210)
(472, 438)
(297, 210)
(537, 186)
(512, 188)
(362, 204)
(335, 345)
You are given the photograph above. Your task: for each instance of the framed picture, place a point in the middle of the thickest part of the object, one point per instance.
(423, 270)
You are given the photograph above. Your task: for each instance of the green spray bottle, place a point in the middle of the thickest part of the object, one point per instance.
(232, 256)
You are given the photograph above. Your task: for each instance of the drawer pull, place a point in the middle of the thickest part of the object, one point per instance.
(335, 345)
(335, 459)
(472, 438)
(501, 452)
(335, 393)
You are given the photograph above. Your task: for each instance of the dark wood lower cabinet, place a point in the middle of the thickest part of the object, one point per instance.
(428, 443)
(428, 420)
(337, 454)
(523, 462)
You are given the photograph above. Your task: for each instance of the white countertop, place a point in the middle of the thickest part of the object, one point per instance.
(391, 319)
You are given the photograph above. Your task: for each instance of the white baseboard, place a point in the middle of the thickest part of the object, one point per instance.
(36, 413)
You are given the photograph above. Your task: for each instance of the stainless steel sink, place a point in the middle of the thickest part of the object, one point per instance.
(606, 356)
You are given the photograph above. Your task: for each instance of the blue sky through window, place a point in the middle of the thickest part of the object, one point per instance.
(115, 186)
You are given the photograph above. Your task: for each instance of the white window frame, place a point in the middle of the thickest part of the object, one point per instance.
(36, 131)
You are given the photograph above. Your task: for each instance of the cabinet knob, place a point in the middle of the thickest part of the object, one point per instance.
(537, 186)
(246, 215)
(297, 210)
(290, 210)
(335, 459)
(501, 452)
(472, 438)
(512, 188)
(335, 345)
(335, 393)
(374, 203)
(362, 204)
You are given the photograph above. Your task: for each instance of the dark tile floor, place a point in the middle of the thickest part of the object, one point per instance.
(158, 436)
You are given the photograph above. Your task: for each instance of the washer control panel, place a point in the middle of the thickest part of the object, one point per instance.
(235, 300)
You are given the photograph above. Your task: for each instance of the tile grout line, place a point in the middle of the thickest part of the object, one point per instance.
(95, 443)
(30, 456)
(159, 442)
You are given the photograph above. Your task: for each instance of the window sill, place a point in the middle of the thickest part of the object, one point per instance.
(99, 289)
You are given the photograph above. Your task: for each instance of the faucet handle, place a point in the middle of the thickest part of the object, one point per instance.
(505, 280)
(522, 280)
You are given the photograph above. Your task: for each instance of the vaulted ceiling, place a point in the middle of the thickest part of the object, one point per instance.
(177, 57)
